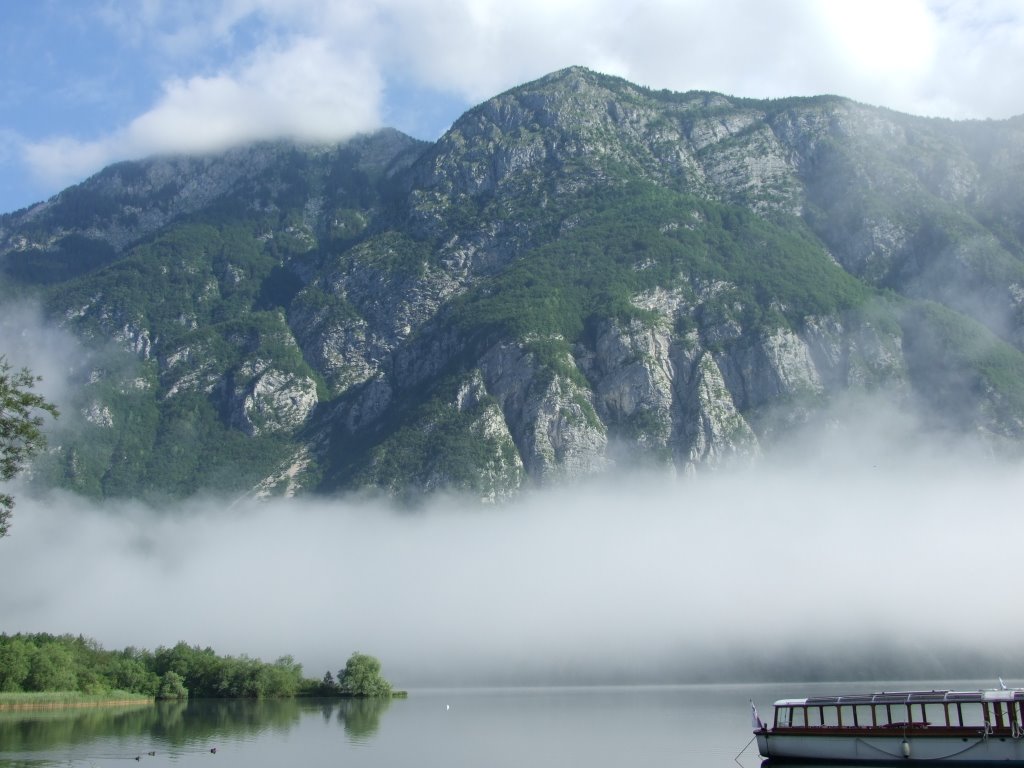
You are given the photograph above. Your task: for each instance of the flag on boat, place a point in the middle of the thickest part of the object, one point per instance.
(755, 719)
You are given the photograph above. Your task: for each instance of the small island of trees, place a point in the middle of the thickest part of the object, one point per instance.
(43, 663)
(360, 677)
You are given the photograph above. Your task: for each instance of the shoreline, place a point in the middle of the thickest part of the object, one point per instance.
(52, 704)
(23, 706)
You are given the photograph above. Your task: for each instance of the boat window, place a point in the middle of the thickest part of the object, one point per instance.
(1012, 715)
(1001, 710)
(782, 717)
(813, 716)
(864, 717)
(972, 714)
(935, 714)
(846, 716)
(798, 719)
(893, 714)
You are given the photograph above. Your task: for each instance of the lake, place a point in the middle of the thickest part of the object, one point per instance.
(688, 726)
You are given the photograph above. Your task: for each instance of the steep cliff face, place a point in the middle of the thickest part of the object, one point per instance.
(582, 274)
(548, 411)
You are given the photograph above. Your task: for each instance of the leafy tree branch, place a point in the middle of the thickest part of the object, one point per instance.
(21, 421)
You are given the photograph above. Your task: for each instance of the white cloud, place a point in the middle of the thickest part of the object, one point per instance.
(65, 160)
(316, 69)
(307, 90)
(878, 39)
(915, 56)
(955, 59)
(981, 53)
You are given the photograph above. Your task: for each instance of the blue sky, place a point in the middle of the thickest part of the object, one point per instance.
(84, 83)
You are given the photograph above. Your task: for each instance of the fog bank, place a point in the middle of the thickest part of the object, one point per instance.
(866, 544)
(854, 554)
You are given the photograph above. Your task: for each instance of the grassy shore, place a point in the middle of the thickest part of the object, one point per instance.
(62, 699)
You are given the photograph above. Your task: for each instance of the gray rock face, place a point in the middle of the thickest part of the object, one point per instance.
(714, 433)
(98, 415)
(345, 352)
(550, 417)
(634, 390)
(857, 357)
(502, 473)
(371, 404)
(274, 401)
(779, 366)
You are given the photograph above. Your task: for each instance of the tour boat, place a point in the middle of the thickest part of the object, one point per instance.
(956, 726)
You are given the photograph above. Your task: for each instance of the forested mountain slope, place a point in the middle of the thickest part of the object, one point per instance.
(580, 274)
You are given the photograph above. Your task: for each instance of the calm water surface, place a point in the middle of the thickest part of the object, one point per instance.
(698, 726)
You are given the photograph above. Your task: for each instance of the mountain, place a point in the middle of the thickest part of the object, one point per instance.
(581, 274)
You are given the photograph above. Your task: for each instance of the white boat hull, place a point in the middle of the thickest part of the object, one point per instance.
(885, 748)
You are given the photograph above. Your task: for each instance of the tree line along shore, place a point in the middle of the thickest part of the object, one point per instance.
(46, 671)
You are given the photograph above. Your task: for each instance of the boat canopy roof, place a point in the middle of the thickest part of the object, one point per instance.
(907, 697)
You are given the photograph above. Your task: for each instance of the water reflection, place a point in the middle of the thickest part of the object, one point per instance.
(33, 730)
(182, 723)
(171, 727)
(361, 717)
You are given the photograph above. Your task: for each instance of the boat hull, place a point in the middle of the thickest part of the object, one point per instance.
(885, 748)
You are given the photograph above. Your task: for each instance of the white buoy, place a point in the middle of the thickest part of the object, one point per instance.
(906, 748)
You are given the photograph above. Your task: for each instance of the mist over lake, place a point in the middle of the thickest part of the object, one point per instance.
(841, 558)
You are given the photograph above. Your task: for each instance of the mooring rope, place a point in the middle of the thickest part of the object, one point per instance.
(737, 758)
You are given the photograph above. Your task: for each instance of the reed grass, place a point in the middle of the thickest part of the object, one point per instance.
(58, 699)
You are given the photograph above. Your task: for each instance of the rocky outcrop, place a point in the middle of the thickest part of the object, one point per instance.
(712, 433)
(98, 415)
(777, 367)
(633, 374)
(272, 400)
(550, 415)
(856, 354)
(502, 472)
